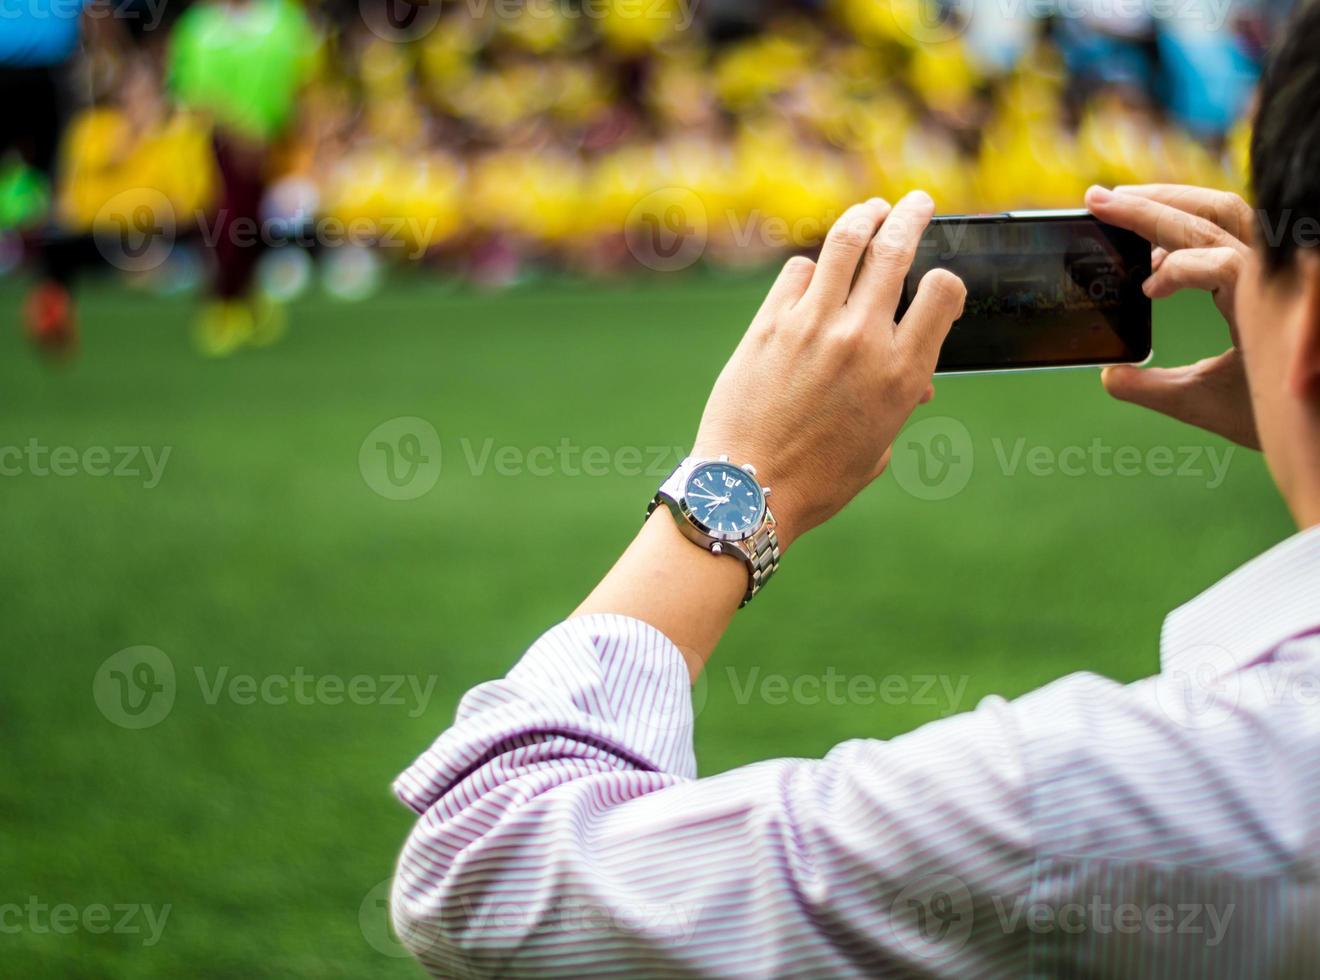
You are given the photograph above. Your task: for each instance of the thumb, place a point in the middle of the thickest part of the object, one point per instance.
(1164, 390)
(1211, 394)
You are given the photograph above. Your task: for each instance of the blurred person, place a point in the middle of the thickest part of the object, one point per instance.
(38, 42)
(561, 829)
(129, 151)
(1209, 71)
(242, 64)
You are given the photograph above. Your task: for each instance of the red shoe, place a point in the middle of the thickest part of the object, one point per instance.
(51, 324)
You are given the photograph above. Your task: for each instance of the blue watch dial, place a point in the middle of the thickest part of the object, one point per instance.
(725, 499)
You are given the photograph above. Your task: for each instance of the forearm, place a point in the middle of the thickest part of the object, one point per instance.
(665, 580)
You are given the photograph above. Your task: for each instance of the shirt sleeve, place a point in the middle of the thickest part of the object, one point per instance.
(562, 832)
(1158, 828)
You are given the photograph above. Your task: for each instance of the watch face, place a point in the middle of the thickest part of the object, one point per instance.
(725, 500)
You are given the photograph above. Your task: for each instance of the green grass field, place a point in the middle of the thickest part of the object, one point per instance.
(263, 550)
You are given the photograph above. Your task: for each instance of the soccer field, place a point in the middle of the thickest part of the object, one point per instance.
(321, 633)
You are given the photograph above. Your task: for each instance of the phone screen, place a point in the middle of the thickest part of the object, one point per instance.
(1044, 289)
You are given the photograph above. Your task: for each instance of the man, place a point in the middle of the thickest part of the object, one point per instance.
(1169, 827)
(38, 42)
(242, 63)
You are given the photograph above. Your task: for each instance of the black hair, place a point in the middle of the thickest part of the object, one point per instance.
(1285, 141)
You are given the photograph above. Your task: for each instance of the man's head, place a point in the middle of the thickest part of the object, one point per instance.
(1278, 297)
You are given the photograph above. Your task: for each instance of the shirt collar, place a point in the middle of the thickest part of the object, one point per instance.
(1242, 618)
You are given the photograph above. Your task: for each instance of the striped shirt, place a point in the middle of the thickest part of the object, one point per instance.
(1169, 827)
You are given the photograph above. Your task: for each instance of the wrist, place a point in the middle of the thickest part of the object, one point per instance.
(688, 595)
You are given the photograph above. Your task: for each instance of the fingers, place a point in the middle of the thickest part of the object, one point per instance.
(1211, 393)
(879, 284)
(1224, 208)
(1160, 389)
(790, 284)
(939, 301)
(843, 249)
(1194, 268)
(1160, 224)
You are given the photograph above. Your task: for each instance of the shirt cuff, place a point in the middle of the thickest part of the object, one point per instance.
(602, 685)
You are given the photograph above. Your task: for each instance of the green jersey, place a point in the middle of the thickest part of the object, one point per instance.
(242, 63)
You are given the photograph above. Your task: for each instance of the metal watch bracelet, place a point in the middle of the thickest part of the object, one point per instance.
(761, 554)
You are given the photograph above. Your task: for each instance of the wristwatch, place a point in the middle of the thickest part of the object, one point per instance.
(722, 508)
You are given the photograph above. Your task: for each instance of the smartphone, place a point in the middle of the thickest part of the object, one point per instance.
(1045, 289)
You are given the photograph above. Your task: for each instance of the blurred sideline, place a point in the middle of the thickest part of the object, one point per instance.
(489, 138)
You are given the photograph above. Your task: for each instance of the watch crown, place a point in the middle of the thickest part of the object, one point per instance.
(749, 468)
(724, 457)
(765, 491)
(717, 548)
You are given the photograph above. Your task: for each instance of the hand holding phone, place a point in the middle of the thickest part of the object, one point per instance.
(1201, 239)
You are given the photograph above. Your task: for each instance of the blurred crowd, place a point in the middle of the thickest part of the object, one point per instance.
(492, 138)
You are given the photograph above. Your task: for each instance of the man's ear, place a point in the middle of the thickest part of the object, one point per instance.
(1304, 371)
